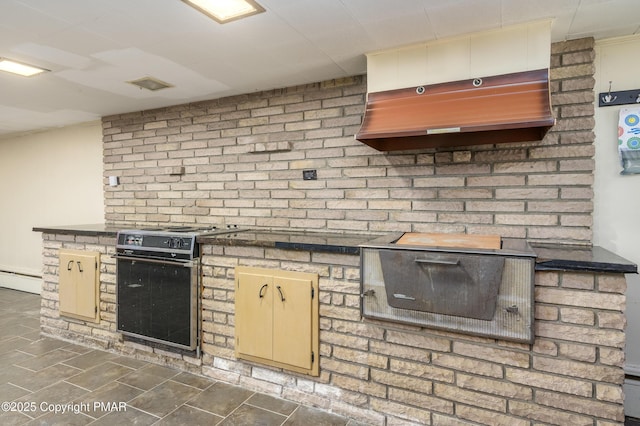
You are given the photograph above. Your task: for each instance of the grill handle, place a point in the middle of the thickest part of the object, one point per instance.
(187, 264)
(438, 262)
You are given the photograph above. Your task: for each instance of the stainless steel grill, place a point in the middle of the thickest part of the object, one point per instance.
(480, 292)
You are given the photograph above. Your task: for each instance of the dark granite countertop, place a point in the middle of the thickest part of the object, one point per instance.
(93, 229)
(290, 240)
(554, 257)
(549, 257)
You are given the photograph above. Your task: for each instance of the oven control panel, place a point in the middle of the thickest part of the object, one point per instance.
(156, 241)
(178, 243)
(157, 244)
(133, 240)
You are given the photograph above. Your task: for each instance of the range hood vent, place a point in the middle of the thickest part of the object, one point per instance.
(499, 109)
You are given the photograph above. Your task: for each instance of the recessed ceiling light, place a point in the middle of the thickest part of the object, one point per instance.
(150, 83)
(19, 68)
(224, 11)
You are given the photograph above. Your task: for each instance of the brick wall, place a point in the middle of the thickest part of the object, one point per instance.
(239, 160)
(380, 373)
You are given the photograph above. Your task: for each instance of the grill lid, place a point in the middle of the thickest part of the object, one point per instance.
(506, 108)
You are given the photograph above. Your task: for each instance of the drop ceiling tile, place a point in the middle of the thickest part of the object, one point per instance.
(464, 16)
(52, 55)
(516, 12)
(293, 42)
(606, 16)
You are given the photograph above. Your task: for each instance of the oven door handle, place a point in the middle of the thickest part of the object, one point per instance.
(187, 264)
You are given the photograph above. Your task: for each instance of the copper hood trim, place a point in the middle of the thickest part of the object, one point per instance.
(499, 109)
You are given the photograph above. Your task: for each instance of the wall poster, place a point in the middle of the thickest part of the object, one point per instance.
(629, 140)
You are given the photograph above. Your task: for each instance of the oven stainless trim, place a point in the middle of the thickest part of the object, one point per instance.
(194, 296)
(186, 264)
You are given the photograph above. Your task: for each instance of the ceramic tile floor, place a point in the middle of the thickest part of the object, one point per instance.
(39, 375)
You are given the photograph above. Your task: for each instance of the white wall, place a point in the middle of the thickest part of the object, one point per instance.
(47, 178)
(517, 48)
(617, 197)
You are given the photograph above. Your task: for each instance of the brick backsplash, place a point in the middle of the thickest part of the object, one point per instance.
(239, 160)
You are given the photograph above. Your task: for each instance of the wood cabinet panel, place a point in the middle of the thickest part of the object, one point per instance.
(276, 318)
(255, 323)
(292, 321)
(78, 285)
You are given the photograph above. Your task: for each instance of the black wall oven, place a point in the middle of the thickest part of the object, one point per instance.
(158, 285)
(158, 300)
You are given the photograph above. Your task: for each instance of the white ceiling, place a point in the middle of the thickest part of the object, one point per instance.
(93, 47)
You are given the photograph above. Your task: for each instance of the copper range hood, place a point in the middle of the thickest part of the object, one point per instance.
(499, 109)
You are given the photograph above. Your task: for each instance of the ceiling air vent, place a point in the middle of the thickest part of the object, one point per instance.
(150, 83)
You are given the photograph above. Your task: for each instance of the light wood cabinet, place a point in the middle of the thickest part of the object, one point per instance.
(78, 286)
(276, 318)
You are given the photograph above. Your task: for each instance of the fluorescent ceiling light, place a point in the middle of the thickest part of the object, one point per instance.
(224, 11)
(18, 68)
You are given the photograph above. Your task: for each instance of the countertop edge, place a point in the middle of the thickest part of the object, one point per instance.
(574, 266)
(251, 238)
(90, 230)
(549, 257)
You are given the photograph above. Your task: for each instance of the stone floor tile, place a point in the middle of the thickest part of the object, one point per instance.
(129, 362)
(90, 359)
(40, 362)
(99, 402)
(58, 419)
(187, 415)
(42, 346)
(45, 400)
(193, 380)
(159, 370)
(99, 375)
(304, 416)
(13, 418)
(130, 416)
(250, 415)
(271, 403)
(142, 380)
(164, 398)
(44, 378)
(9, 392)
(221, 398)
(13, 343)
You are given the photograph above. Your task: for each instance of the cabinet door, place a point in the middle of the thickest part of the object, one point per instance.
(67, 283)
(78, 284)
(86, 288)
(254, 319)
(292, 321)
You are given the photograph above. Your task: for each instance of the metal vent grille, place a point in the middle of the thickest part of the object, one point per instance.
(513, 318)
(150, 83)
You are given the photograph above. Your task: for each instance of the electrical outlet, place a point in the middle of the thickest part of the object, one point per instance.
(309, 175)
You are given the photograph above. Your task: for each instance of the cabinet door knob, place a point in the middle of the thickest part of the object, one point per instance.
(261, 292)
(280, 291)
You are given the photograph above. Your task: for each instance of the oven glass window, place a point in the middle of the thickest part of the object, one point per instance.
(155, 300)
